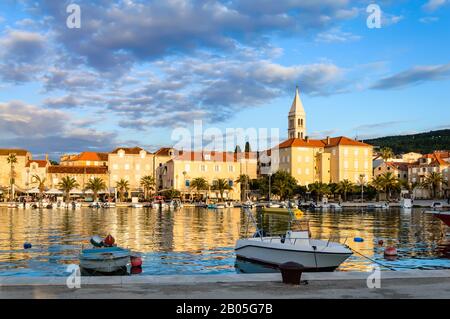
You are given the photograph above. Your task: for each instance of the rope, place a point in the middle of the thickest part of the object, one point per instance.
(380, 264)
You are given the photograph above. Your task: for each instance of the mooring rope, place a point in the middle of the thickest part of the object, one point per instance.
(374, 261)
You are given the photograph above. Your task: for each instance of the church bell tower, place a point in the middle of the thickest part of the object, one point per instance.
(297, 118)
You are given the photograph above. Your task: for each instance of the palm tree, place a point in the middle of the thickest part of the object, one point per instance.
(221, 185)
(96, 185)
(389, 182)
(344, 187)
(283, 184)
(36, 179)
(434, 181)
(319, 189)
(387, 153)
(122, 186)
(244, 181)
(199, 184)
(148, 183)
(67, 184)
(11, 159)
(378, 184)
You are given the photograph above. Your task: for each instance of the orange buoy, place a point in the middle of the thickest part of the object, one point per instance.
(109, 241)
(391, 252)
(136, 261)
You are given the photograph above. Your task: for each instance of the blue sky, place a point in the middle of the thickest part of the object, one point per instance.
(136, 70)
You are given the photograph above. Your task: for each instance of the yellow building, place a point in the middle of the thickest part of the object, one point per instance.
(82, 175)
(19, 168)
(328, 160)
(130, 164)
(400, 170)
(184, 167)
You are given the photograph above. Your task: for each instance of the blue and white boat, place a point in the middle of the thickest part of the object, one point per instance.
(105, 259)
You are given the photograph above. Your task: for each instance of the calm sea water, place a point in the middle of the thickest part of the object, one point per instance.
(199, 241)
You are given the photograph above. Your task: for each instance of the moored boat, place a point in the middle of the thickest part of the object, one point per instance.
(442, 215)
(104, 259)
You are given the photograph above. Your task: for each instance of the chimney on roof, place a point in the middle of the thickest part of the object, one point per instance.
(328, 140)
(307, 139)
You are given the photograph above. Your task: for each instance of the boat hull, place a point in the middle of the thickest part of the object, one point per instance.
(104, 260)
(444, 217)
(312, 261)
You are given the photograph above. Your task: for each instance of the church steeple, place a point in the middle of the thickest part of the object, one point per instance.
(297, 118)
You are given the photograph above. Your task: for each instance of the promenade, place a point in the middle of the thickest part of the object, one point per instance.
(343, 285)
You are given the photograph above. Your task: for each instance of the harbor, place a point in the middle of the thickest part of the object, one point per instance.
(350, 285)
(196, 241)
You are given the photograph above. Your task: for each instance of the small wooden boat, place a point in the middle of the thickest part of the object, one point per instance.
(105, 259)
(442, 215)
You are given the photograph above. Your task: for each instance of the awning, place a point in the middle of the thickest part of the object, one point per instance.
(33, 191)
(54, 191)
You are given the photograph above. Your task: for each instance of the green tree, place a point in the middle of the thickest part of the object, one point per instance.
(434, 181)
(344, 187)
(199, 184)
(170, 193)
(319, 190)
(122, 187)
(244, 183)
(96, 185)
(387, 153)
(378, 184)
(66, 184)
(148, 183)
(11, 159)
(221, 185)
(283, 184)
(390, 183)
(40, 182)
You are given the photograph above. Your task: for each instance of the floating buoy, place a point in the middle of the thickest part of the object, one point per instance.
(391, 252)
(136, 261)
(358, 240)
(27, 245)
(381, 242)
(109, 241)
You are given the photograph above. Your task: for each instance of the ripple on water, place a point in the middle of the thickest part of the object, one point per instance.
(197, 241)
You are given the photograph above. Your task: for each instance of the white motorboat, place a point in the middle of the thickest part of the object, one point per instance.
(437, 205)
(295, 246)
(13, 205)
(109, 205)
(105, 259)
(95, 205)
(335, 206)
(406, 203)
(137, 205)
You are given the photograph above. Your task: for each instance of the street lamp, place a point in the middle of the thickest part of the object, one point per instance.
(270, 182)
(362, 179)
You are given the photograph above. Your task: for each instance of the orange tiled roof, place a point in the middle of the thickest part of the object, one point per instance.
(77, 169)
(399, 166)
(335, 141)
(18, 152)
(41, 163)
(163, 151)
(130, 150)
(91, 156)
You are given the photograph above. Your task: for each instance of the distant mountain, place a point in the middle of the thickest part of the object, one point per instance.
(421, 143)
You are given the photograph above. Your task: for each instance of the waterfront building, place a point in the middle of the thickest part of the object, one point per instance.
(399, 169)
(35, 168)
(84, 159)
(328, 160)
(23, 157)
(82, 175)
(185, 166)
(130, 164)
(436, 162)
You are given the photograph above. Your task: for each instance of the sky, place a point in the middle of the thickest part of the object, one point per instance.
(136, 72)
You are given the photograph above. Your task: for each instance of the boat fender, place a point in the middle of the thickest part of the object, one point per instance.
(109, 241)
(27, 245)
(358, 240)
(136, 261)
(391, 252)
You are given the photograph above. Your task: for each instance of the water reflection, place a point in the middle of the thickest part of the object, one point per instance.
(198, 241)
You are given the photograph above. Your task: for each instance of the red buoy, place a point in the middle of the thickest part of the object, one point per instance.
(391, 252)
(136, 270)
(136, 261)
(109, 241)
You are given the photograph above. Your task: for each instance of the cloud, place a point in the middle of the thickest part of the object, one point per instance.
(433, 5)
(116, 35)
(414, 76)
(428, 20)
(63, 102)
(336, 35)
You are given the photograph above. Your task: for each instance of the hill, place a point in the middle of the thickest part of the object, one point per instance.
(421, 143)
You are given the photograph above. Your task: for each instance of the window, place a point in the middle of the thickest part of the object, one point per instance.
(345, 152)
(307, 171)
(88, 163)
(356, 152)
(345, 164)
(366, 165)
(307, 159)
(216, 168)
(188, 183)
(127, 166)
(356, 164)
(230, 168)
(299, 159)
(366, 152)
(138, 167)
(202, 168)
(299, 171)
